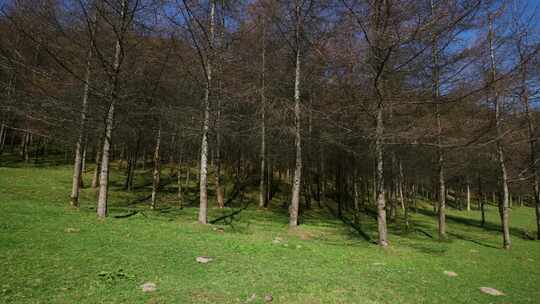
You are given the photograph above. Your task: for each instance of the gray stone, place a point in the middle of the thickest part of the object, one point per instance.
(204, 260)
(491, 291)
(148, 287)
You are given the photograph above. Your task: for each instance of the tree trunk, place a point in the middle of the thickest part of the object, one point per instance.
(220, 195)
(435, 95)
(263, 195)
(269, 181)
(531, 137)
(503, 202)
(295, 200)
(180, 195)
(83, 164)
(468, 196)
(3, 131)
(380, 193)
(157, 169)
(188, 172)
(105, 158)
(400, 186)
(95, 177)
(203, 177)
(109, 124)
(356, 189)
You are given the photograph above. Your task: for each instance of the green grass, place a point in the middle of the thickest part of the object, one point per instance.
(325, 261)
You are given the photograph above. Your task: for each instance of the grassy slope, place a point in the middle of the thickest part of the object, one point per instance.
(324, 262)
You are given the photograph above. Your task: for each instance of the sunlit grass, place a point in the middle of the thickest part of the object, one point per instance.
(42, 260)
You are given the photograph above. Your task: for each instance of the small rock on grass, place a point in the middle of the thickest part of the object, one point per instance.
(268, 298)
(148, 287)
(491, 291)
(450, 273)
(277, 240)
(204, 260)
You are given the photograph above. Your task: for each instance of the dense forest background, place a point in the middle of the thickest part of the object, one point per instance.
(367, 103)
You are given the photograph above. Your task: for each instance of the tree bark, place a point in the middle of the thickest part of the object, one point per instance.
(503, 202)
(531, 137)
(77, 167)
(440, 153)
(295, 200)
(95, 177)
(400, 186)
(109, 123)
(203, 177)
(180, 195)
(468, 196)
(380, 191)
(3, 131)
(263, 195)
(157, 169)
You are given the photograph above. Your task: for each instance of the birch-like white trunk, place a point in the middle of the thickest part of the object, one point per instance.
(203, 173)
(109, 124)
(79, 147)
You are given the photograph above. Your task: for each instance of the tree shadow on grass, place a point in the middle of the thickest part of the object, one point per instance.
(489, 226)
(351, 224)
(468, 239)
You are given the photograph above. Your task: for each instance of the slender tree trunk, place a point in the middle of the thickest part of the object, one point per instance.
(380, 192)
(3, 131)
(188, 172)
(263, 195)
(109, 124)
(220, 195)
(503, 202)
(295, 200)
(26, 146)
(269, 180)
(400, 186)
(157, 169)
(203, 177)
(180, 195)
(440, 153)
(532, 139)
(83, 164)
(393, 190)
(468, 195)
(77, 167)
(95, 177)
(134, 160)
(105, 158)
(356, 200)
(129, 169)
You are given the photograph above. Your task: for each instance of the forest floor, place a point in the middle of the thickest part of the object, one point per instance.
(50, 253)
